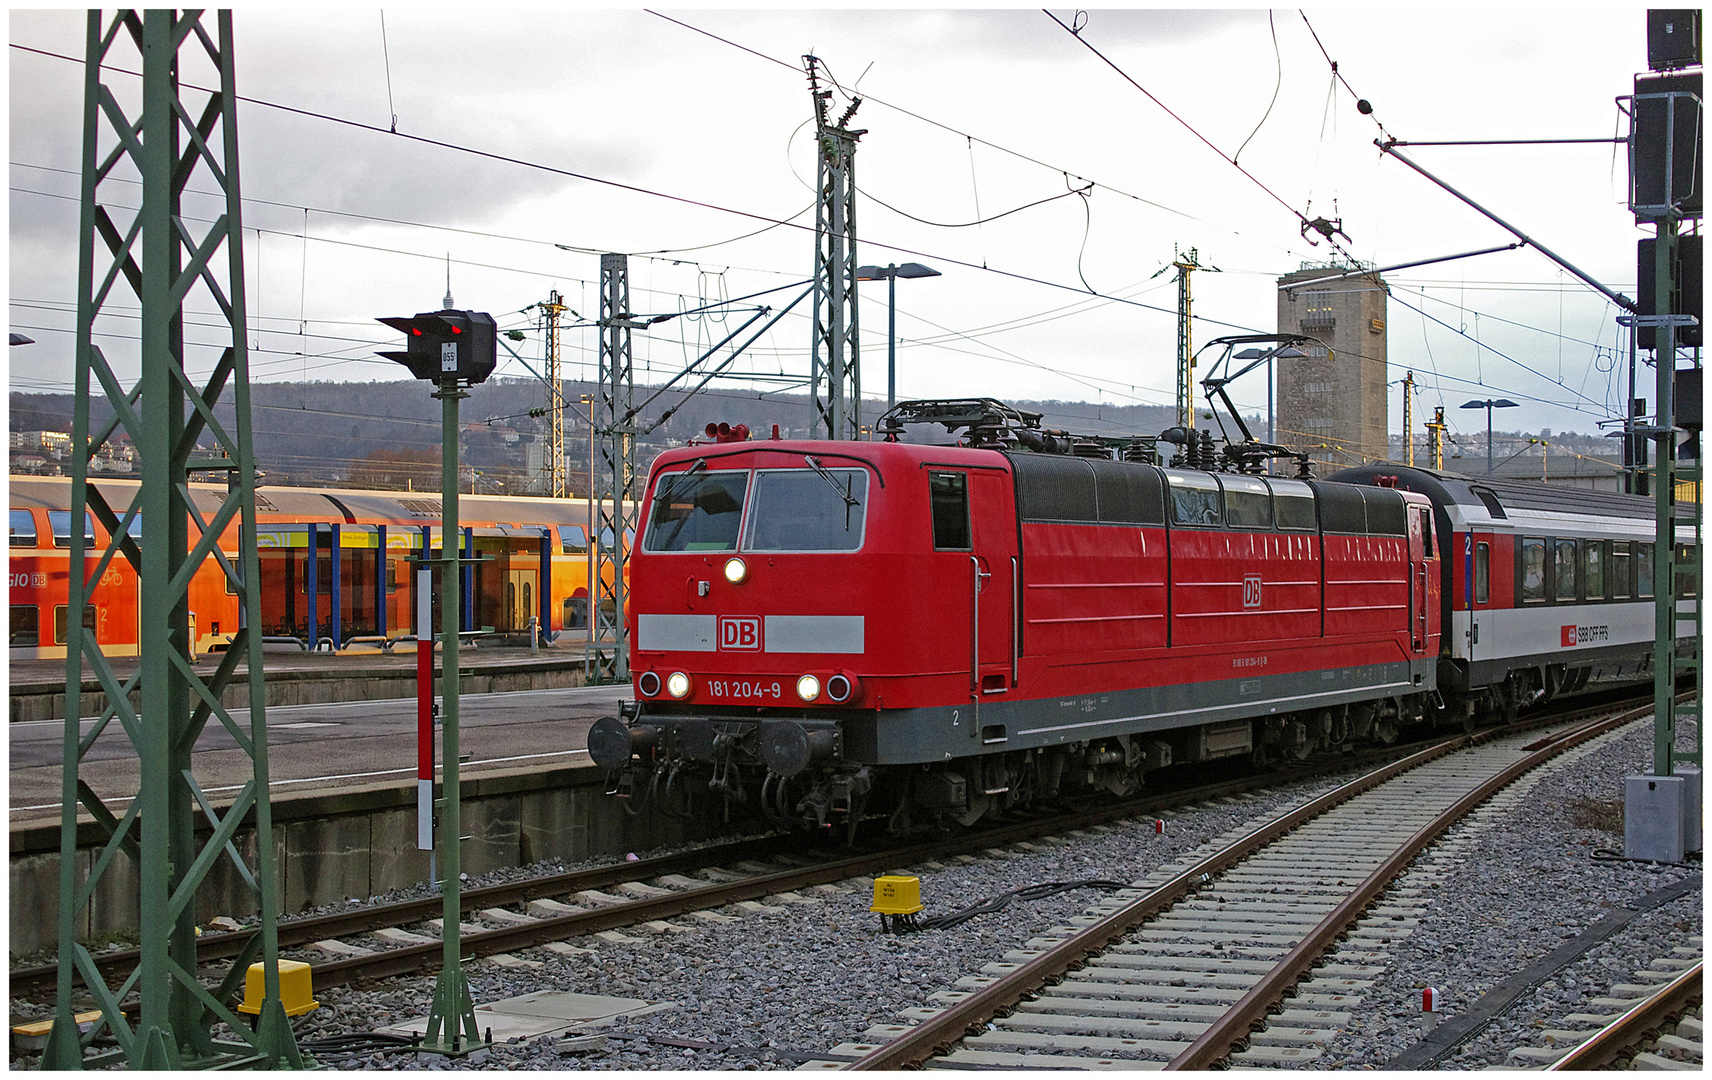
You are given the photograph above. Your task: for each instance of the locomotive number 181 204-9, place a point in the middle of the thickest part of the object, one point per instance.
(757, 690)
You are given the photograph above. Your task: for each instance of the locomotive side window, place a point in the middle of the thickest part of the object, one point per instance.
(1293, 505)
(799, 510)
(949, 493)
(699, 512)
(1593, 569)
(1194, 499)
(60, 522)
(59, 621)
(1563, 570)
(26, 626)
(1644, 571)
(1483, 573)
(1533, 569)
(572, 540)
(1620, 570)
(23, 529)
(1248, 505)
(1342, 508)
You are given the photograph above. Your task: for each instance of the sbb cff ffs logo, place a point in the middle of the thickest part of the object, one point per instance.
(739, 633)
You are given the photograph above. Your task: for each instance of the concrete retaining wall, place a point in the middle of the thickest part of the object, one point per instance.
(330, 847)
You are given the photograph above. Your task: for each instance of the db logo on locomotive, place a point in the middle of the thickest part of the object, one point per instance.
(739, 633)
(1251, 590)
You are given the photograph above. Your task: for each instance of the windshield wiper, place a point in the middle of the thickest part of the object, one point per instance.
(666, 492)
(843, 492)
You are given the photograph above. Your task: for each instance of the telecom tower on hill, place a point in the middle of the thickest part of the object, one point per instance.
(1334, 407)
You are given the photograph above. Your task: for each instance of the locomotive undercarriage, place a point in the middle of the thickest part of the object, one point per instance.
(792, 771)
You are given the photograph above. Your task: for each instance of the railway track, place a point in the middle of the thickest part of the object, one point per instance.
(1224, 958)
(1659, 1027)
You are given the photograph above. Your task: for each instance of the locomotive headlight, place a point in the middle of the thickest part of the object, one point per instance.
(735, 571)
(808, 688)
(678, 684)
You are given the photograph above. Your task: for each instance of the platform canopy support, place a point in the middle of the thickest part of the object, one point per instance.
(170, 398)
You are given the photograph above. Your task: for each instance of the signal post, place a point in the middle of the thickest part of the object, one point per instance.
(454, 350)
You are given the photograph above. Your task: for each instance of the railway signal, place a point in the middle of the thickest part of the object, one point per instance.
(441, 345)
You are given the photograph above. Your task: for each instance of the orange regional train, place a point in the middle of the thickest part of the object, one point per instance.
(336, 568)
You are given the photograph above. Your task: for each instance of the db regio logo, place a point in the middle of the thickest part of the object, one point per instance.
(1251, 590)
(739, 633)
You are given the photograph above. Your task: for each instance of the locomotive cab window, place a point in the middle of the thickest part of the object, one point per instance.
(1194, 499)
(694, 511)
(1533, 569)
(23, 529)
(1248, 505)
(949, 497)
(1563, 570)
(807, 510)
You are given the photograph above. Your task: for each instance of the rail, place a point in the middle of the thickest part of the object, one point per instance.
(1621, 1035)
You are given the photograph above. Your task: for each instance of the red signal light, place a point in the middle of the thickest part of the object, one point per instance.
(416, 331)
(457, 329)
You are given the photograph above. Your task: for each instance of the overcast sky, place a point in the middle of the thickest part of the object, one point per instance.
(690, 131)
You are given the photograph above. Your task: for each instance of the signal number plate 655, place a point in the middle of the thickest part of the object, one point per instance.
(747, 689)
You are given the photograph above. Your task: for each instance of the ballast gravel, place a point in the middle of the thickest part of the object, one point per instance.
(775, 989)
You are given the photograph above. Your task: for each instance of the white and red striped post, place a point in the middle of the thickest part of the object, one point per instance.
(425, 709)
(1430, 1008)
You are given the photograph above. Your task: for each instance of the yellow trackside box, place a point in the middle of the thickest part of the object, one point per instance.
(294, 989)
(896, 894)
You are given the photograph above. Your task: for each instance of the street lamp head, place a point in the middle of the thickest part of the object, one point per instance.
(915, 270)
(873, 273)
(1491, 403)
(1505, 403)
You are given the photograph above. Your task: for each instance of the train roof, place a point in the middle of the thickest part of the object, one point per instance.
(1508, 492)
(320, 504)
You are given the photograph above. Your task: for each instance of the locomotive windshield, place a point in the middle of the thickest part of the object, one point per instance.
(788, 510)
(797, 510)
(699, 512)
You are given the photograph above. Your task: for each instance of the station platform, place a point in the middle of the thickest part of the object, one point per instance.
(295, 677)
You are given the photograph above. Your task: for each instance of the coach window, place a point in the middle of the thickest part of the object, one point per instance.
(1644, 571)
(26, 625)
(1593, 569)
(1482, 573)
(59, 621)
(1248, 505)
(575, 615)
(1563, 570)
(949, 496)
(1533, 569)
(1293, 505)
(1194, 499)
(1684, 573)
(23, 528)
(59, 521)
(1619, 575)
(572, 540)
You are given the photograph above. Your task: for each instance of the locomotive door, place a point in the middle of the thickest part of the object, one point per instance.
(993, 582)
(1419, 536)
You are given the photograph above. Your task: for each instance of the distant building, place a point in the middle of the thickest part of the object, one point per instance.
(1334, 407)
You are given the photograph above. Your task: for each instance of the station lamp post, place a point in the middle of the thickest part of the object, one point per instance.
(1489, 404)
(891, 274)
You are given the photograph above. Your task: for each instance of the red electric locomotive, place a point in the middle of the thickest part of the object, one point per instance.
(933, 632)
